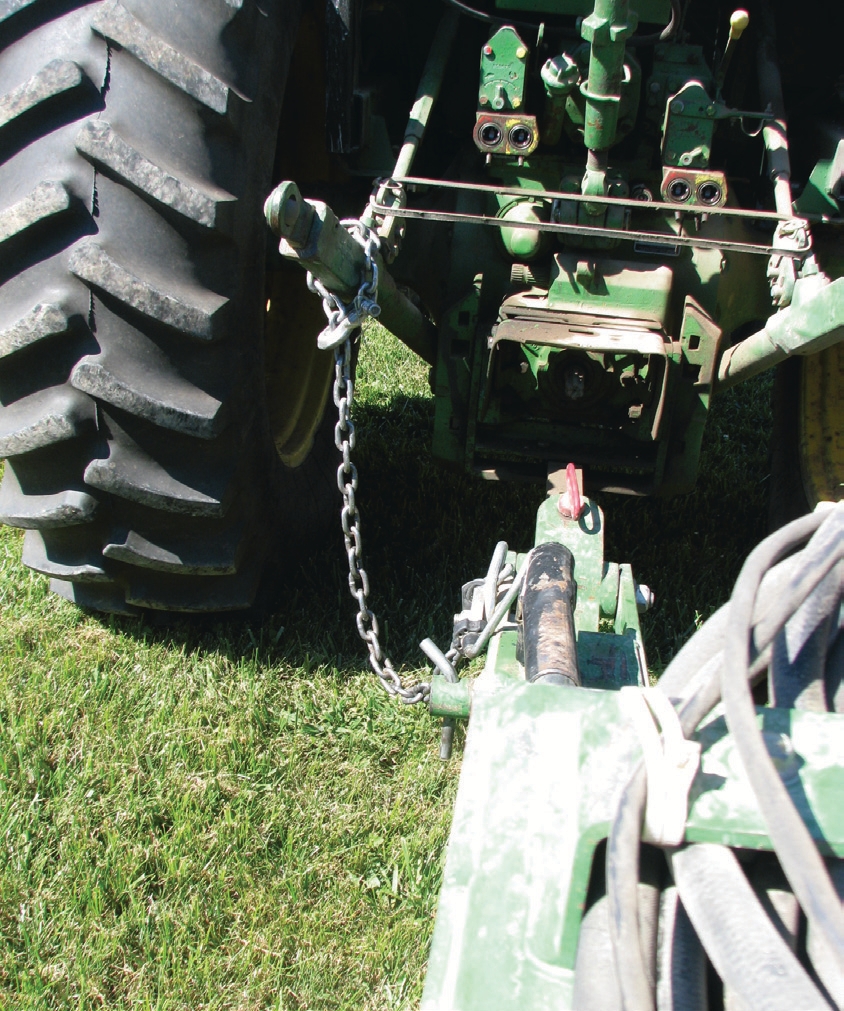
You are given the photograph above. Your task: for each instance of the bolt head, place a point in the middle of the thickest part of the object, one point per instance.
(521, 53)
(677, 106)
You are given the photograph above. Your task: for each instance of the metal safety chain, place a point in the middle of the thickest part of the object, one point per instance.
(343, 321)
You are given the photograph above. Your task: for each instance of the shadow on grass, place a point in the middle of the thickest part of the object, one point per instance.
(427, 529)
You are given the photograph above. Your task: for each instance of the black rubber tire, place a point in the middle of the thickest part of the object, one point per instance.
(138, 140)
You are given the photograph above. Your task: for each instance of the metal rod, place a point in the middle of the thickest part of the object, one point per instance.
(606, 30)
(660, 238)
(312, 236)
(433, 652)
(774, 132)
(446, 668)
(491, 581)
(628, 202)
(498, 614)
(420, 112)
(429, 89)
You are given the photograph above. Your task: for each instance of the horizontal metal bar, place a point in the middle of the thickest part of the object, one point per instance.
(660, 238)
(629, 202)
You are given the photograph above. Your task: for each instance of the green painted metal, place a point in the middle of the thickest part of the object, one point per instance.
(674, 65)
(690, 119)
(626, 288)
(694, 360)
(452, 699)
(821, 194)
(543, 770)
(627, 615)
(521, 845)
(606, 29)
(542, 773)
(574, 102)
(505, 421)
(453, 376)
(604, 590)
(560, 75)
(585, 539)
(814, 321)
(520, 242)
(502, 408)
(807, 748)
(504, 61)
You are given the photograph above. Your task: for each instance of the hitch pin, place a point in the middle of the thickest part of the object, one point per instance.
(570, 504)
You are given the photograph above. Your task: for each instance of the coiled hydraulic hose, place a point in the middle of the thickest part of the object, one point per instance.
(724, 658)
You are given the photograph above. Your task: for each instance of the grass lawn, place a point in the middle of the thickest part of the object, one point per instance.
(233, 814)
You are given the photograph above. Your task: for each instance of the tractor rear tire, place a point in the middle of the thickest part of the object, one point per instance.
(148, 455)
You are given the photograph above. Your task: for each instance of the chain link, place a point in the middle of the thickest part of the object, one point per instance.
(343, 321)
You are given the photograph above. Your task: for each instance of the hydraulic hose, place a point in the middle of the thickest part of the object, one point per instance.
(635, 984)
(819, 955)
(694, 682)
(748, 952)
(770, 618)
(792, 842)
(835, 674)
(797, 672)
(596, 977)
(681, 962)
(690, 664)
